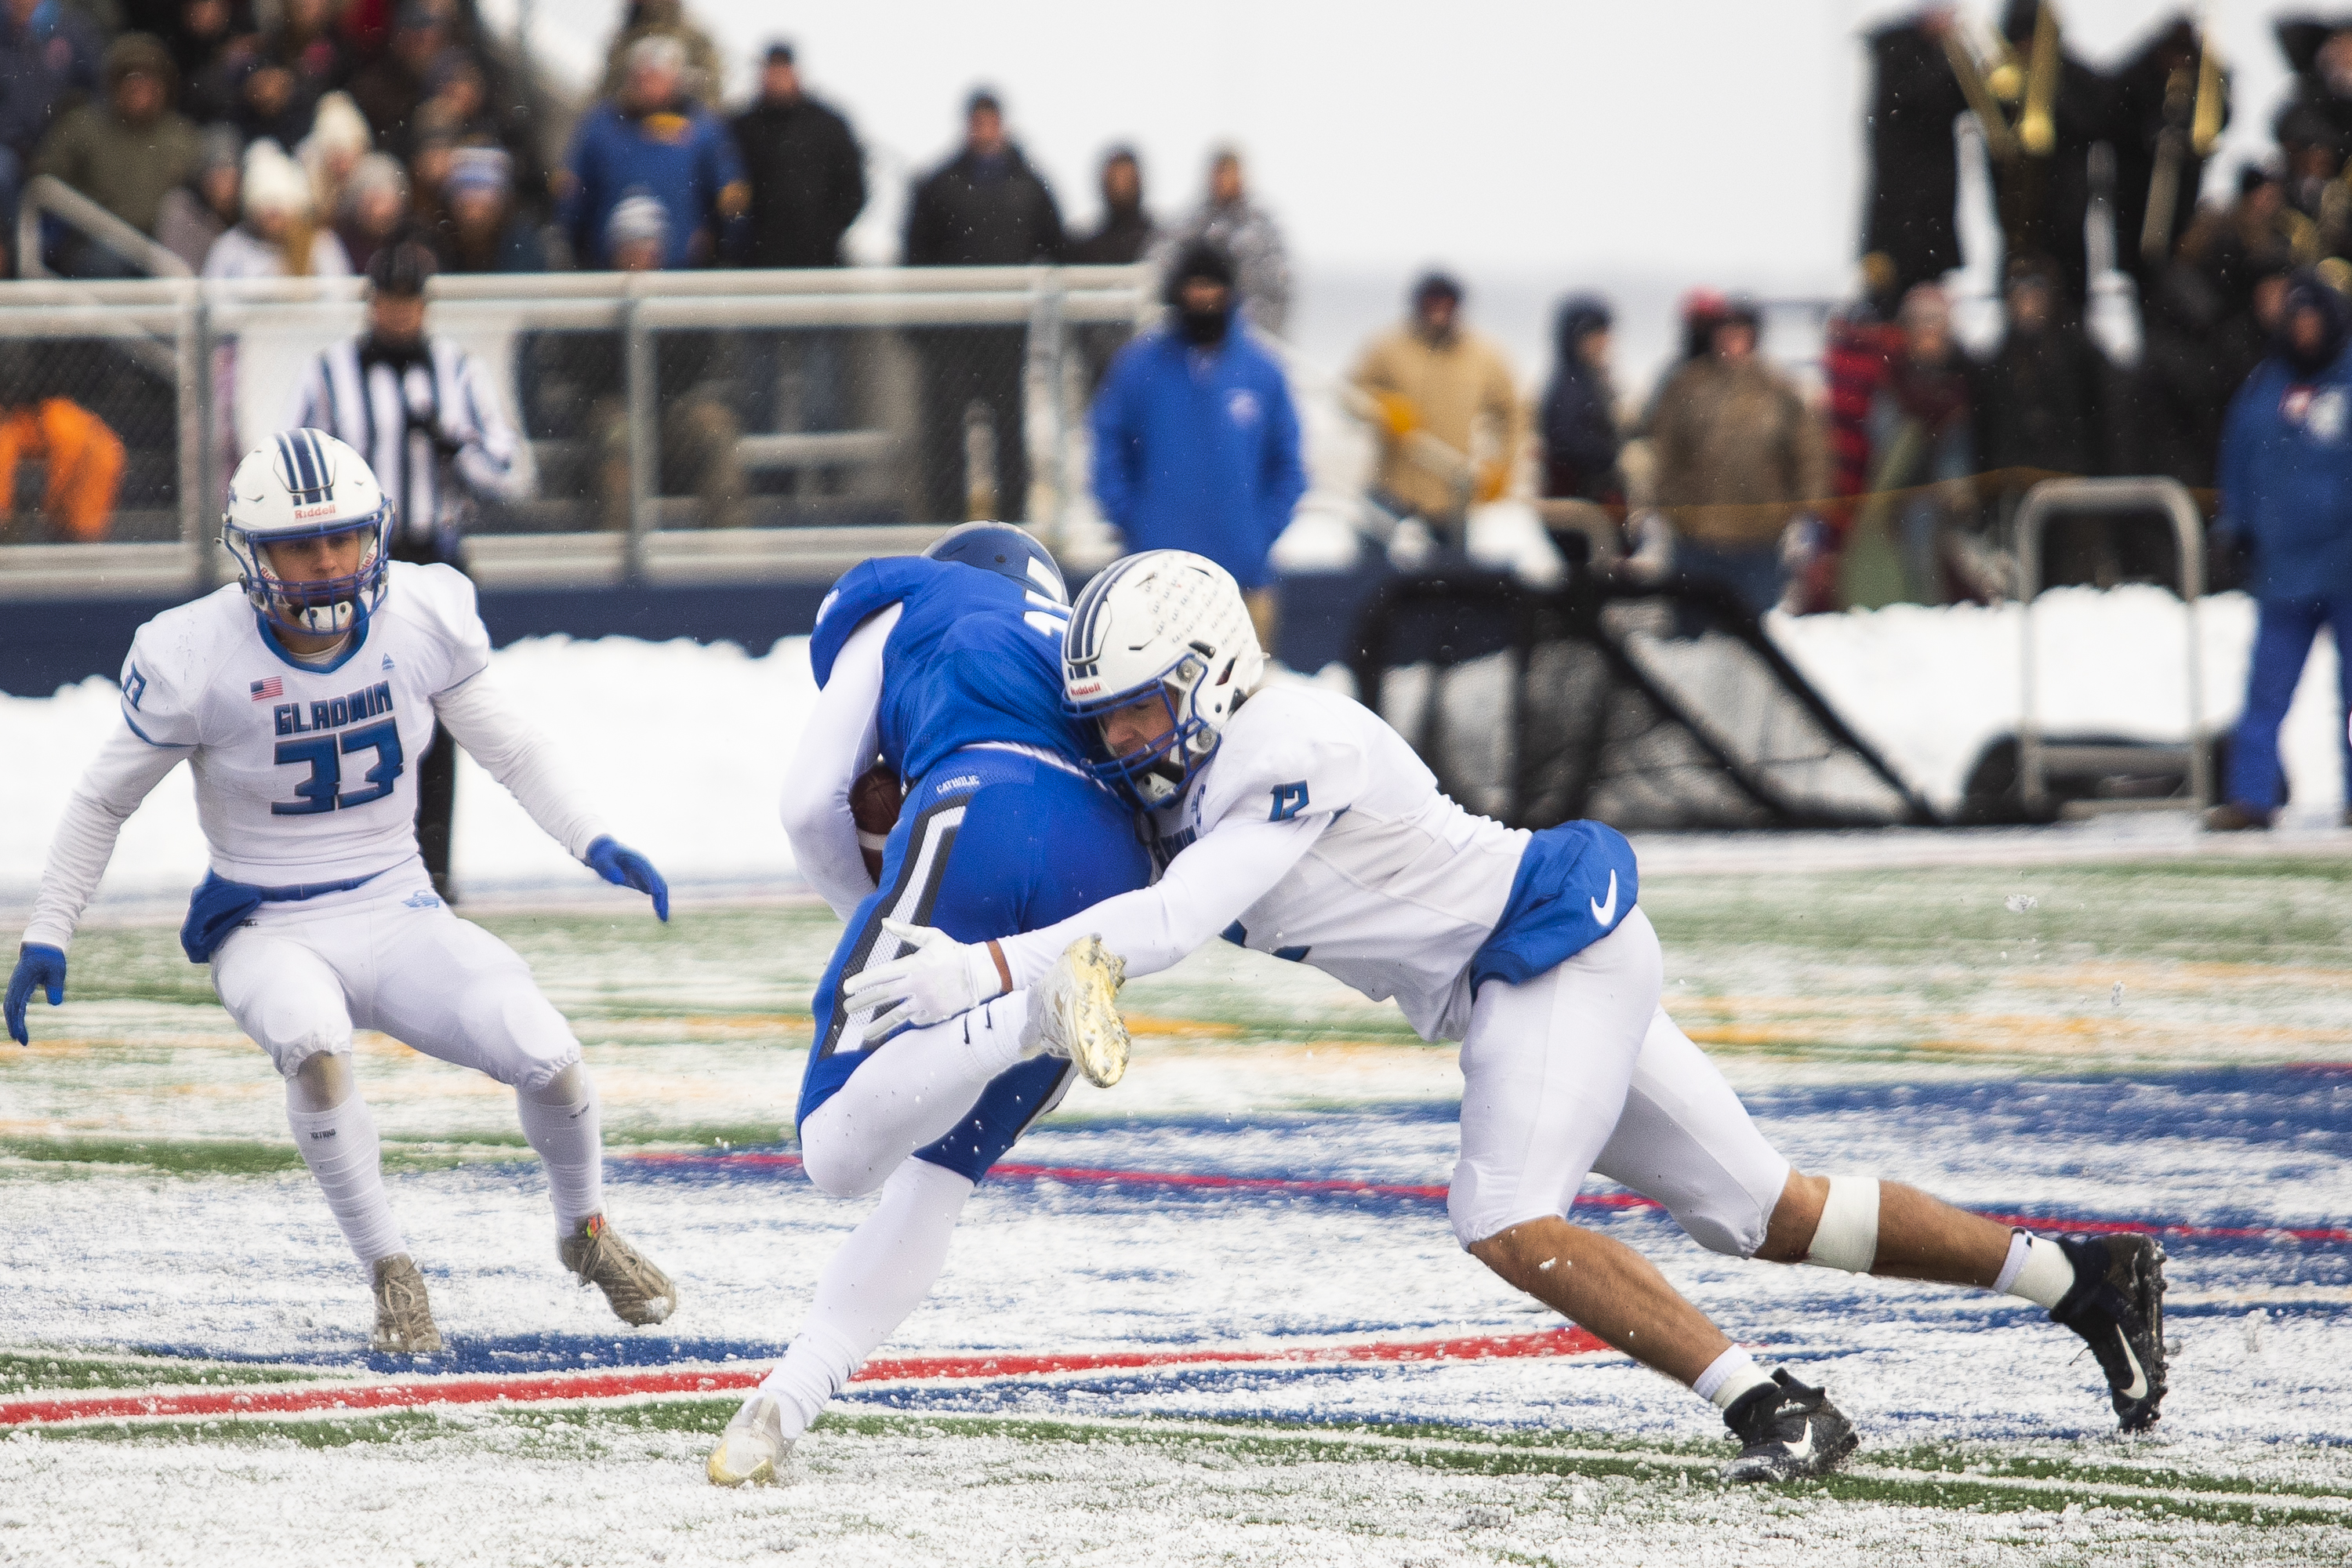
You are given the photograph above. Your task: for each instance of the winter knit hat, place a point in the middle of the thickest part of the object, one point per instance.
(636, 217)
(274, 182)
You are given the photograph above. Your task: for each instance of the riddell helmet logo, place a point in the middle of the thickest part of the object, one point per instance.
(301, 512)
(1088, 690)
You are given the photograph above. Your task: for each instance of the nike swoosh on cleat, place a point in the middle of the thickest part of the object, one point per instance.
(2139, 1389)
(1804, 1450)
(1606, 912)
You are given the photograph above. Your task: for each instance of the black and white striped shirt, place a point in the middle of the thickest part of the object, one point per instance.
(391, 413)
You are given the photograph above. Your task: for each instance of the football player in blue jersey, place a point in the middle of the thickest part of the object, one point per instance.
(944, 670)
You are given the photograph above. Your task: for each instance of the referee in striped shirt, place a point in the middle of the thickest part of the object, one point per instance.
(423, 413)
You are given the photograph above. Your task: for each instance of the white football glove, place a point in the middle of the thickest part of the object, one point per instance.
(941, 978)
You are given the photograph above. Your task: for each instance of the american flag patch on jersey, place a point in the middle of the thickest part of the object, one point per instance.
(263, 690)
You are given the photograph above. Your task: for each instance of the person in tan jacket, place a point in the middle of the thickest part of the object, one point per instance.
(1447, 409)
(1740, 455)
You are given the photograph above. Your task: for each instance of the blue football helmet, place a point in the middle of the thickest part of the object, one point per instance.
(1008, 551)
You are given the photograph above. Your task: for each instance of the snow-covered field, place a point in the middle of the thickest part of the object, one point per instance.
(2153, 1043)
(685, 746)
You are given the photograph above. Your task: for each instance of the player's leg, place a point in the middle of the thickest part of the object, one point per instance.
(1546, 1069)
(1025, 853)
(450, 989)
(1685, 1141)
(290, 1000)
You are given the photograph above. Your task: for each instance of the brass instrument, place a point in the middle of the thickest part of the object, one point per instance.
(2174, 145)
(1982, 87)
(2037, 128)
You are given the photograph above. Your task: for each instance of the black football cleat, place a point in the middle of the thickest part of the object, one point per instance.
(2118, 1304)
(1787, 1432)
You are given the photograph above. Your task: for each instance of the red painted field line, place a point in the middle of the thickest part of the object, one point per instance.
(2330, 1234)
(535, 1387)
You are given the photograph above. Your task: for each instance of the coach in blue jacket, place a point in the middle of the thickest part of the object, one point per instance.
(1196, 442)
(2286, 493)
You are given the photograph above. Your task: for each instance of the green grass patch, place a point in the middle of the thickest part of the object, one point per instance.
(34, 1372)
(1939, 1478)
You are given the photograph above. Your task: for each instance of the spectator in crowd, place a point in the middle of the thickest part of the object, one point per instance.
(197, 212)
(261, 98)
(1124, 236)
(2169, 421)
(1920, 430)
(1581, 442)
(458, 107)
(127, 152)
(48, 62)
(578, 386)
(1126, 232)
(432, 425)
(983, 207)
(1858, 343)
(1196, 445)
(2286, 495)
(2318, 109)
(374, 209)
(1245, 231)
(482, 232)
(391, 88)
(1739, 457)
(337, 140)
(428, 172)
(200, 34)
(653, 139)
(805, 171)
(1913, 181)
(304, 42)
(2045, 196)
(81, 457)
(2149, 98)
(1450, 419)
(704, 79)
(278, 235)
(2038, 404)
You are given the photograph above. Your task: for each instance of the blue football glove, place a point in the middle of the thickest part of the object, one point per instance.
(617, 864)
(38, 967)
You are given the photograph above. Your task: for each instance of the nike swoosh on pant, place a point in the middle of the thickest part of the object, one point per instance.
(1605, 913)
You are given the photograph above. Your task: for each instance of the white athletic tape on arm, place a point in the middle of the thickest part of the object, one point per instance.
(1847, 1237)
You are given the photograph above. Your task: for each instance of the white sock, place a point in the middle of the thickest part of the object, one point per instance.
(342, 1149)
(880, 1275)
(2037, 1270)
(919, 1087)
(1729, 1377)
(570, 1140)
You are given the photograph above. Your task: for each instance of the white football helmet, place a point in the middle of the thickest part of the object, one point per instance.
(299, 485)
(1166, 622)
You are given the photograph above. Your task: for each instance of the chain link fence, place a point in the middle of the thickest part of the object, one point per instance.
(681, 425)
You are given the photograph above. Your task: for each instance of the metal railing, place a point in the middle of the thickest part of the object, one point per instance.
(222, 355)
(46, 196)
(2036, 758)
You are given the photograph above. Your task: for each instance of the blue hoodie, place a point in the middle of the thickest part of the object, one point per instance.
(1199, 449)
(2286, 479)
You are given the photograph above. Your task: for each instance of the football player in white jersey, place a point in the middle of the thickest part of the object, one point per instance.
(1295, 822)
(300, 697)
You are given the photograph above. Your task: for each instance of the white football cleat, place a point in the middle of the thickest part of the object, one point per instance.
(752, 1445)
(1074, 1012)
(403, 1313)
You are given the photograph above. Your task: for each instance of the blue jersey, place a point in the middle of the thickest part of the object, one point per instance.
(975, 657)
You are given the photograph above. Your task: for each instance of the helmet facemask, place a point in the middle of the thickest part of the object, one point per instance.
(328, 607)
(1154, 773)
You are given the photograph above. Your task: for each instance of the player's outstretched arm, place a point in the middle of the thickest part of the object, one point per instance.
(1206, 888)
(512, 751)
(125, 770)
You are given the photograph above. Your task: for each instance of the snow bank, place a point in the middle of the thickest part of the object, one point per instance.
(685, 746)
(1930, 687)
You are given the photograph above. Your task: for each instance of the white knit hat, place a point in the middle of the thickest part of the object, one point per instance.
(274, 182)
